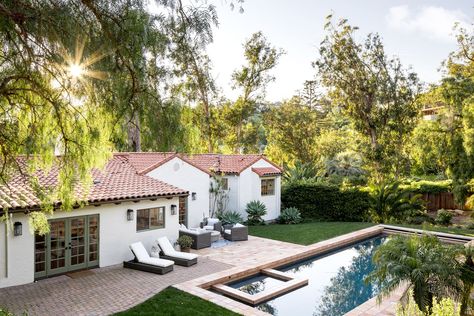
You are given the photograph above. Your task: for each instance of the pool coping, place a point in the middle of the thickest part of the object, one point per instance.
(387, 306)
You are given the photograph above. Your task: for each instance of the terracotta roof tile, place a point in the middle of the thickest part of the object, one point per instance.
(266, 171)
(230, 164)
(118, 181)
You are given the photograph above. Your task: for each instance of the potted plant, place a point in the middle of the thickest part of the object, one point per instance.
(185, 243)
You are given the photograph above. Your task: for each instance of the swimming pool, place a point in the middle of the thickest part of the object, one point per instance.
(336, 282)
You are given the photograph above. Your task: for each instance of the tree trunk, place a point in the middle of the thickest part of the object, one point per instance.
(134, 133)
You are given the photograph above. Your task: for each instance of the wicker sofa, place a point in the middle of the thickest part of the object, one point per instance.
(236, 232)
(200, 239)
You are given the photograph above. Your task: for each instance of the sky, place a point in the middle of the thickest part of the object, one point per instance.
(418, 32)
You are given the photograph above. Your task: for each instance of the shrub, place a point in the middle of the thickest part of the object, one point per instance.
(255, 210)
(388, 202)
(443, 217)
(322, 201)
(290, 215)
(445, 306)
(184, 242)
(230, 217)
(424, 186)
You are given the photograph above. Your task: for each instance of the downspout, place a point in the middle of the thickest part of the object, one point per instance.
(6, 249)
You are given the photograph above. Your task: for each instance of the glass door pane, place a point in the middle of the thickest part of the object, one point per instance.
(93, 240)
(77, 243)
(57, 249)
(183, 210)
(40, 256)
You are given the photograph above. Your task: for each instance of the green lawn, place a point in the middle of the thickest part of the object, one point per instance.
(174, 302)
(306, 233)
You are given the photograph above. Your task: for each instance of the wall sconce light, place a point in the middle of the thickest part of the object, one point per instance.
(173, 209)
(193, 196)
(129, 215)
(17, 229)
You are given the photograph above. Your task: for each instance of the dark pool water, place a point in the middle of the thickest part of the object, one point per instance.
(336, 283)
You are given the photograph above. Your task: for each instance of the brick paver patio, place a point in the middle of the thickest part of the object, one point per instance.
(103, 292)
(112, 289)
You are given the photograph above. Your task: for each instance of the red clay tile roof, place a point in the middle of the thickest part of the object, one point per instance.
(229, 164)
(144, 162)
(118, 181)
(266, 171)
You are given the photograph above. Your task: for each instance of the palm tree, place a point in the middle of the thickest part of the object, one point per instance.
(300, 172)
(387, 201)
(430, 268)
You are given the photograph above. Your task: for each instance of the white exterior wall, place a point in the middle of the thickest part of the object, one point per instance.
(185, 176)
(116, 234)
(249, 189)
(233, 192)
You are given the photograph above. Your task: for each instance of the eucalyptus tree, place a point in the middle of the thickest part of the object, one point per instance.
(374, 90)
(251, 79)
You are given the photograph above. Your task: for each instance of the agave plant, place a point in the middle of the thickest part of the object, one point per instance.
(388, 201)
(255, 210)
(230, 217)
(290, 215)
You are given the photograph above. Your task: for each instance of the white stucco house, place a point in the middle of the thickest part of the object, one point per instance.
(137, 197)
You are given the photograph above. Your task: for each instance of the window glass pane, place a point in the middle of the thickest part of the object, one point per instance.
(225, 184)
(143, 219)
(157, 217)
(267, 186)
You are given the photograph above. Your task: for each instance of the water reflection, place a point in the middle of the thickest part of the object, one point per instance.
(257, 287)
(336, 283)
(348, 288)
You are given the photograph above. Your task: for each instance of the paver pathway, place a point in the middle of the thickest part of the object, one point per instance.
(103, 292)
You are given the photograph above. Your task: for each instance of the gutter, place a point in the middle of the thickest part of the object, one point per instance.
(27, 210)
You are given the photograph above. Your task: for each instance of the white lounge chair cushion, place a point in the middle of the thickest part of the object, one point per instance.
(227, 231)
(209, 227)
(168, 250)
(212, 221)
(139, 251)
(239, 225)
(143, 257)
(158, 262)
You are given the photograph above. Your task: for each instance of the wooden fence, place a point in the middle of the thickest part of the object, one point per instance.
(436, 201)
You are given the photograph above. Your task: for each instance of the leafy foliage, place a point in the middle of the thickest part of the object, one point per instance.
(290, 215)
(293, 129)
(184, 242)
(388, 202)
(427, 265)
(299, 172)
(444, 217)
(374, 91)
(230, 217)
(322, 201)
(255, 211)
(444, 307)
(218, 195)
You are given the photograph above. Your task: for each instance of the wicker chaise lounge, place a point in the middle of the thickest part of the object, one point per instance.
(236, 233)
(200, 239)
(180, 258)
(144, 262)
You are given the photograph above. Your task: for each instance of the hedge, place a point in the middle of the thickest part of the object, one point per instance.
(424, 186)
(321, 201)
